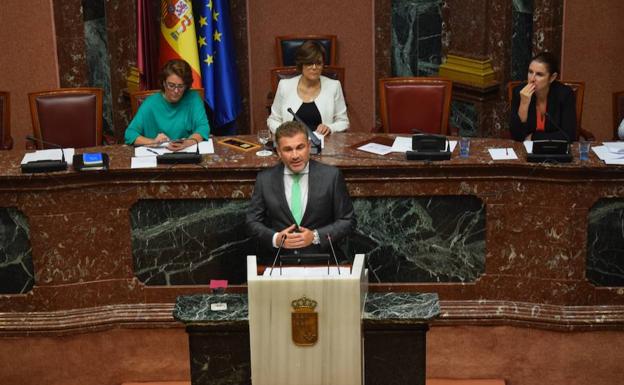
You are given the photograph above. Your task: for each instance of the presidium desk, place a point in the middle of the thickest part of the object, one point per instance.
(503, 242)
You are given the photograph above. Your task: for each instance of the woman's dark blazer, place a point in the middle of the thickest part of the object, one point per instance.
(560, 118)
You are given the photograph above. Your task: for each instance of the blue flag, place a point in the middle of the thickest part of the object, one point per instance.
(217, 61)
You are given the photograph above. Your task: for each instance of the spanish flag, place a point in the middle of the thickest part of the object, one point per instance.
(177, 35)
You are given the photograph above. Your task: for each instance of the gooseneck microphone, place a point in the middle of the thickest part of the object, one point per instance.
(45, 165)
(559, 129)
(316, 142)
(331, 245)
(279, 249)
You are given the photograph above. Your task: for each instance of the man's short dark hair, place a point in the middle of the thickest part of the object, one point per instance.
(290, 129)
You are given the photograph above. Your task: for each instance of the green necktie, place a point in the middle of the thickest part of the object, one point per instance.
(295, 198)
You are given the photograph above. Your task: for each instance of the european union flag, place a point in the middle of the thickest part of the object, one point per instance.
(217, 61)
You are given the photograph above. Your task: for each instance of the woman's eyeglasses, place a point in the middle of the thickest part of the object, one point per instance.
(175, 87)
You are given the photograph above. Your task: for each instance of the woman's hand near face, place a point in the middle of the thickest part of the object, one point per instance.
(323, 129)
(526, 93)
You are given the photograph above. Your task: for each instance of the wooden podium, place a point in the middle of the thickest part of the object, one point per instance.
(305, 324)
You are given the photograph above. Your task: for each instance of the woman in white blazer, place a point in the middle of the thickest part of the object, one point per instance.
(316, 99)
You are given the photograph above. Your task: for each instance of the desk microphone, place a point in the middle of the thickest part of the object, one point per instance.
(181, 157)
(552, 121)
(45, 165)
(316, 142)
(279, 249)
(331, 245)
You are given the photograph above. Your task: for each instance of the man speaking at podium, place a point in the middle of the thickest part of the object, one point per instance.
(298, 203)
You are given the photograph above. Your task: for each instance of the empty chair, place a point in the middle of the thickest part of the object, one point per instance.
(68, 117)
(618, 112)
(286, 46)
(579, 93)
(136, 98)
(415, 104)
(6, 142)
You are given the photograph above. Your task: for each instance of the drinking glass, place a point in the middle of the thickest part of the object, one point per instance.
(263, 137)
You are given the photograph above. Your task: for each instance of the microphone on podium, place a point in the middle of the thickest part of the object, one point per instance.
(279, 249)
(331, 245)
(45, 165)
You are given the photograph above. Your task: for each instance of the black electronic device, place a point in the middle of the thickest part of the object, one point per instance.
(181, 157)
(316, 142)
(45, 165)
(550, 151)
(429, 147)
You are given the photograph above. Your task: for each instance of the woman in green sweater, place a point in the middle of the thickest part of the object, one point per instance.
(174, 113)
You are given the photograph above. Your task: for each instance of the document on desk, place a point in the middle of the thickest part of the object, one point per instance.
(502, 153)
(404, 144)
(376, 148)
(528, 146)
(604, 154)
(143, 162)
(307, 272)
(205, 147)
(615, 147)
(50, 154)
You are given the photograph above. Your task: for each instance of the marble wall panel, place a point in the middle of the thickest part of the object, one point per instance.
(429, 239)
(16, 265)
(88, 246)
(547, 26)
(176, 242)
(238, 14)
(122, 53)
(70, 41)
(96, 42)
(416, 37)
(438, 239)
(522, 33)
(540, 243)
(605, 243)
(465, 118)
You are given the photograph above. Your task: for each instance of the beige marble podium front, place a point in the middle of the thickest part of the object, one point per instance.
(336, 357)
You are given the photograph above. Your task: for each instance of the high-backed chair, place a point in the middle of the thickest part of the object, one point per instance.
(415, 104)
(136, 98)
(618, 112)
(6, 142)
(579, 94)
(69, 117)
(286, 46)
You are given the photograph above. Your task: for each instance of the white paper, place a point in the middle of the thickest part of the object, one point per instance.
(205, 147)
(376, 148)
(321, 137)
(50, 154)
(615, 147)
(452, 145)
(143, 162)
(502, 153)
(402, 144)
(528, 145)
(607, 156)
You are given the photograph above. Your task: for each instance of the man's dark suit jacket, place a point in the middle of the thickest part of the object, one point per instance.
(329, 209)
(561, 111)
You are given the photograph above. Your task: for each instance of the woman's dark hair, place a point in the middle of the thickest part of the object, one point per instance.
(549, 60)
(176, 67)
(309, 52)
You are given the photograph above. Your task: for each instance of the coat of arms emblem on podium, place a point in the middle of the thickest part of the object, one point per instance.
(304, 322)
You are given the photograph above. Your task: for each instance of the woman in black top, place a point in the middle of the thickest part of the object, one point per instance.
(543, 108)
